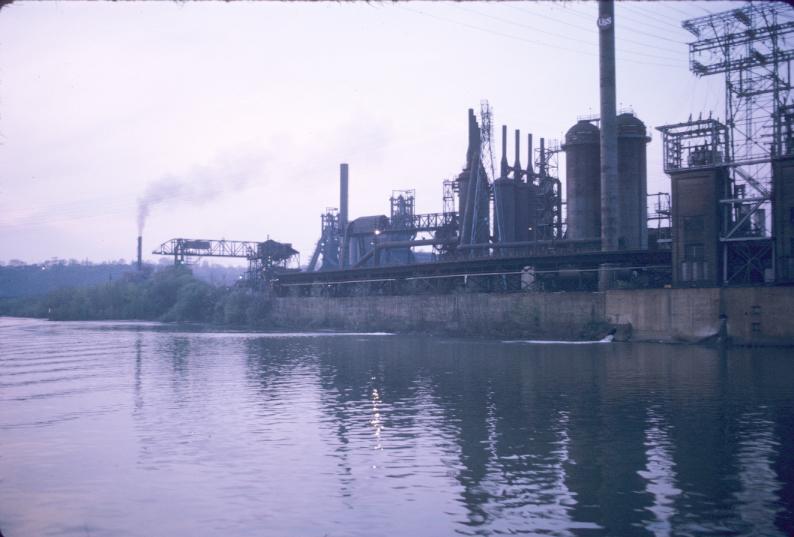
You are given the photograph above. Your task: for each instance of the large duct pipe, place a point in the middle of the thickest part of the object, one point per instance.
(542, 170)
(472, 163)
(374, 253)
(140, 252)
(610, 195)
(342, 198)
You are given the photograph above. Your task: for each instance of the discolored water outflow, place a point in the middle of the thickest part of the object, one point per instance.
(144, 429)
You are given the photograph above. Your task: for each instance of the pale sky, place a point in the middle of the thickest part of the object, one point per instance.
(250, 107)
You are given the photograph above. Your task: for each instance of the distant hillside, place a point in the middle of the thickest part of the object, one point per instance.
(23, 280)
(20, 280)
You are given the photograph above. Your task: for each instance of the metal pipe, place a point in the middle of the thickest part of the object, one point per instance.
(343, 198)
(610, 195)
(542, 165)
(345, 253)
(472, 129)
(420, 242)
(503, 166)
(530, 166)
(315, 255)
(517, 164)
(398, 244)
(483, 245)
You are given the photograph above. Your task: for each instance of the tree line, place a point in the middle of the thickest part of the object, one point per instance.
(171, 294)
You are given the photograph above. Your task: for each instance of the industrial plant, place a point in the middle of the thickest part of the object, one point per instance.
(504, 225)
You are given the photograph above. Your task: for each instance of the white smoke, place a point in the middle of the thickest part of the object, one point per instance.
(229, 173)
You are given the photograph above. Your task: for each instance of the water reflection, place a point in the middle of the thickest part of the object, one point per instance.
(399, 436)
(660, 475)
(758, 496)
(138, 372)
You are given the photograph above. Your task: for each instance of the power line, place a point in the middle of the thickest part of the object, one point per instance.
(591, 29)
(645, 22)
(514, 37)
(684, 13)
(568, 38)
(652, 20)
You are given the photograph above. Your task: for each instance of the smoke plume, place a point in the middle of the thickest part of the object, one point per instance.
(201, 184)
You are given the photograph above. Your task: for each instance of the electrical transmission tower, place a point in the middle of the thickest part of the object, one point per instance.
(752, 47)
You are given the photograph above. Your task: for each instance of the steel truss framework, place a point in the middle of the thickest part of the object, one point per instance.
(660, 218)
(752, 47)
(265, 259)
(418, 223)
(330, 238)
(549, 216)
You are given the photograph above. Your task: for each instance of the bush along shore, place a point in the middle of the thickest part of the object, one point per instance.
(170, 294)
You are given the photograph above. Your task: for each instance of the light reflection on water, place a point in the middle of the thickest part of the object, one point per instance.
(143, 429)
(659, 474)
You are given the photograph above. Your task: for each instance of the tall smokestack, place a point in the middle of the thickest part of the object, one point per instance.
(503, 166)
(517, 164)
(530, 166)
(609, 135)
(542, 170)
(140, 252)
(342, 197)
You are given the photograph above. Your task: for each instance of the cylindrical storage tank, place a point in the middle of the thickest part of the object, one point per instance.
(583, 181)
(632, 182)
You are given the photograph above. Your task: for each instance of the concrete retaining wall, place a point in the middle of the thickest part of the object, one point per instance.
(666, 314)
(514, 315)
(754, 315)
(760, 315)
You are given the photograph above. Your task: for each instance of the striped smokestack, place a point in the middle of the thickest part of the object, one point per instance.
(610, 194)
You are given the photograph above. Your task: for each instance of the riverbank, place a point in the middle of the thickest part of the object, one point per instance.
(744, 316)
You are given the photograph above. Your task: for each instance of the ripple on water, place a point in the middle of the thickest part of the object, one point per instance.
(140, 429)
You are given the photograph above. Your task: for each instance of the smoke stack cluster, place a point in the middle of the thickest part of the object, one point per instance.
(140, 252)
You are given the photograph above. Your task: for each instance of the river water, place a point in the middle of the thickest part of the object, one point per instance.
(143, 429)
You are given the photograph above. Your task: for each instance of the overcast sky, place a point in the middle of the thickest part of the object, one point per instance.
(237, 115)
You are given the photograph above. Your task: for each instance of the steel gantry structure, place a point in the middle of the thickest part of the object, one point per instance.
(751, 46)
(265, 259)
